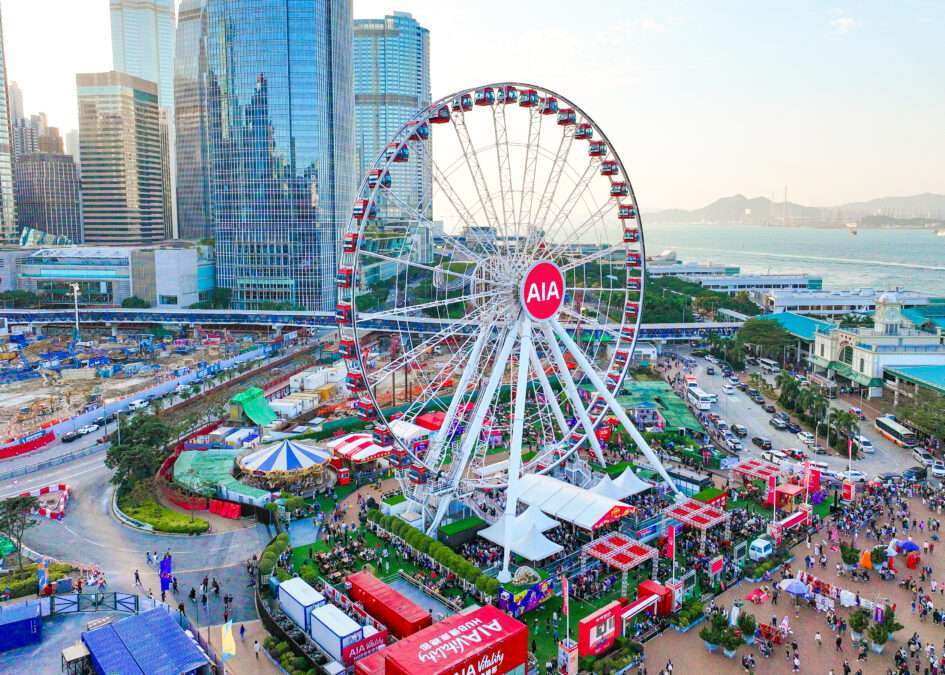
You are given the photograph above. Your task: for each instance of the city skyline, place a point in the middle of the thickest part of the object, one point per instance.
(693, 85)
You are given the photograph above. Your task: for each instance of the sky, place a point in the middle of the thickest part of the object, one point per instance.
(702, 99)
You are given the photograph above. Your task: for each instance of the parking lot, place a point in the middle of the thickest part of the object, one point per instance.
(737, 408)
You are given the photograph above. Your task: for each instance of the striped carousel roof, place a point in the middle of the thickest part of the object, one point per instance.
(286, 456)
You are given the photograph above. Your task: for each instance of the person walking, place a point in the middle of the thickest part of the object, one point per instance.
(242, 632)
(137, 578)
(256, 648)
(818, 639)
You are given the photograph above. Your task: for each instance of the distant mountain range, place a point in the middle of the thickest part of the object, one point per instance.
(916, 211)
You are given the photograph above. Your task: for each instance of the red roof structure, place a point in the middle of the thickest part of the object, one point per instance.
(622, 553)
(757, 469)
(699, 515)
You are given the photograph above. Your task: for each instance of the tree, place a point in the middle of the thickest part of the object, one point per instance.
(926, 412)
(15, 518)
(20, 299)
(134, 302)
(143, 447)
(769, 337)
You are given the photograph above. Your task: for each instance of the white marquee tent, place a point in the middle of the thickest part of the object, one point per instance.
(529, 543)
(570, 503)
(630, 482)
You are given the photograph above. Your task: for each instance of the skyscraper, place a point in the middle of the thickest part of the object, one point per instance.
(122, 167)
(47, 195)
(281, 138)
(8, 231)
(16, 102)
(391, 83)
(190, 122)
(143, 46)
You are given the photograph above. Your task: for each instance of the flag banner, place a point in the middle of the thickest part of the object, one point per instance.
(166, 568)
(564, 595)
(228, 643)
(671, 542)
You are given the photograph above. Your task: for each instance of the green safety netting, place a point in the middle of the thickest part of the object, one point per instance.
(255, 406)
(209, 472)
(660, 395)
(6, 546)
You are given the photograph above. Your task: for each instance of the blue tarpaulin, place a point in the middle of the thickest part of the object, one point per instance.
(150, 644)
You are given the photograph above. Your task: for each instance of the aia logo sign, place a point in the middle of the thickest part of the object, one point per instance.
(542, 290)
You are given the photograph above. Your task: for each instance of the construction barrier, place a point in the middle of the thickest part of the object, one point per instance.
(28, 443)
(59, 511)
(225, 509)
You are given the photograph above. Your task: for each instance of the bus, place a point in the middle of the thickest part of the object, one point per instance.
(699, 399)
(691, 381)
(769, 366)
(889, 428)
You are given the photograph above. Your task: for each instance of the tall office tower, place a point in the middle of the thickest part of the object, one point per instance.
(391, 83)
(8, 231)
(143, 46)
(47, 195)
(122, 167)
(72, 147)
(51, 142)
(190, 122)
(281, 137)
(16, 102)
(25, 137)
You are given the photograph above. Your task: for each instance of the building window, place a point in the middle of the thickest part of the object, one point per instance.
(862, 366)
(846, 355)
(167, 300)
(821, 349)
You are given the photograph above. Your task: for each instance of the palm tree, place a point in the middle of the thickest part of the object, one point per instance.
(819, 409)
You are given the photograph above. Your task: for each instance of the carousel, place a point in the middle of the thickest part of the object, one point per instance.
(285, 462)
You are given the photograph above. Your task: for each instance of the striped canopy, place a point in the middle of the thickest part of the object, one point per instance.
(358, 448)
(286, 456)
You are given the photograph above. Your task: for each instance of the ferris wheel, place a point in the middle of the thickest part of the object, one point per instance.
(491, 280)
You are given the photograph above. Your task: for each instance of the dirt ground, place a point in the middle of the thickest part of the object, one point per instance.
(689, 655)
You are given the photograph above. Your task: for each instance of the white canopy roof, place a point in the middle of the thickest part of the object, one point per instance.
(530, 543)
(406, 431)
(567, 502)
(534, 517)
(608, 488)
(630, 482)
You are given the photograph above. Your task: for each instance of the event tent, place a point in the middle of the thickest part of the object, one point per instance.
(534, 517)
(287, 457)
(529, 543)
(358, 448)
(408, 432)
(570, 503)
(608, 488)
(631, 482)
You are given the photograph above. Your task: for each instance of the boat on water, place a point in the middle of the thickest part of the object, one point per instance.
(666, 257)
(851, 228)
(940, 233)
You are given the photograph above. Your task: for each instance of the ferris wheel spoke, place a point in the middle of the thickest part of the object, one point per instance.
(529, 170)
(575, 397)
(593, 324)
(416, 265)
(596, 218)
(611, 401)
(554, 176)
(475, 170)
(438, 382)
(563, 214)
(396, 312)
(597, 255)
(551, 397)
(504, 165)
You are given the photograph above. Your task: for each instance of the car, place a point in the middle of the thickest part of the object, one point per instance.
(792, 427)
(889, 477)
(805, 437)
(777, 423)
(854, 475)
(762, 442)
(769, 408)
(87, 429)
(734, 381)
(100, 422)
(742, 386)
(70, 436)
(795, 453)
(914, 474)
(732, 444)
(740, 430)
(863, 443)
(857, 413)
(773, 456)
(923, 456)
(818, 449)
(728, 389)
(783, 415)
(938, 469)
(711, 359)
(721, 425)
(710, 370)
(137, 404)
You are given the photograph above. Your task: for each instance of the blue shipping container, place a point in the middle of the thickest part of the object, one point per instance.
(20, 625)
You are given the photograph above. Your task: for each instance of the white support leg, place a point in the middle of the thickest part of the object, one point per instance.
(550, 394)
(471, 438)
(615, 407)
(573, 394)
(515, 446)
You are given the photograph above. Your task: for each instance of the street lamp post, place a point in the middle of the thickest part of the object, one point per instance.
(75, 300)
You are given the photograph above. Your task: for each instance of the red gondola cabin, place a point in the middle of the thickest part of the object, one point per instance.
(418, 131)
(382, 436)
(397, 152)
(631, 235)
(350, 242)
(345, 277)
(377, 177)
(584, 131)
(548, 106)
(343, 313)
(366, 411)
(485, 96)
(400, 458)
(633, 259)
(626, 212)
(619, 189)
(441, 115)
(621, 356)
(609, 168)
(347, 348)
(566, 117)
(355, 380)
(528, 98)
(631, 310)
(462, 102)
(597, 149)
(418, 474)
(363, 208)
(507, 94)
(633, 283)
(628, 332)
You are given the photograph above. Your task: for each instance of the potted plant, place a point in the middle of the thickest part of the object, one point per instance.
(731, 641)
(878, 556)
(747, 624)
(850, 556)
(878, 637)
(710, 637)
(859, 620)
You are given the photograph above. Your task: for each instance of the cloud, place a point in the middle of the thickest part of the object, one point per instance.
(651, 25)
(843, 24)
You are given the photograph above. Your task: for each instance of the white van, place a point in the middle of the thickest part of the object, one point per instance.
(137, 404)
(774, 456)
(760, 549)
(863, 444)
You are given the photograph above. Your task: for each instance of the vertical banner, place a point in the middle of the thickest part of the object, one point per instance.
(564, 596)
(671, 542)
(166, 567)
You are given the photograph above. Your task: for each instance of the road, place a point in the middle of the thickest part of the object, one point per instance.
(739, 409)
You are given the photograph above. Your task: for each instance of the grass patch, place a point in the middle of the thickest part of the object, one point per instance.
(461, 525)
(396, 499)
(163, 519)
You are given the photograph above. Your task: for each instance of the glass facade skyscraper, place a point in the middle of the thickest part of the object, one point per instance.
(123, 167)
(47, 195)
(391, 83)
(280, 112)
(8, 230)
(190, 122)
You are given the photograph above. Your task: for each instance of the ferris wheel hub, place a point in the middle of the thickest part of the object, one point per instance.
(541, 292)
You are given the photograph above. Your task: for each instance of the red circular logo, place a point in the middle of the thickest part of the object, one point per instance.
(542, 290)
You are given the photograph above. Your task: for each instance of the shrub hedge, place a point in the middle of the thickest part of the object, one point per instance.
(163, 519)
(23, 582)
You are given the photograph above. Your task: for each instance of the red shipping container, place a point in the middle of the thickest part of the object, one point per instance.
(401, 615)
(484, 642)
(372, 664)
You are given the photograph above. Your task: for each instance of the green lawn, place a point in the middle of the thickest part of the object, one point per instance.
(458, 526)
